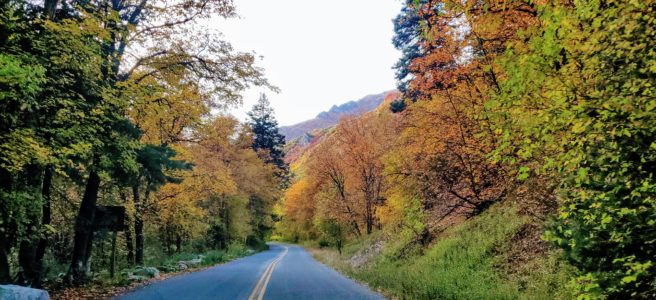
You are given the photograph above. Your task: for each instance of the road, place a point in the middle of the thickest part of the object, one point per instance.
(282, 272)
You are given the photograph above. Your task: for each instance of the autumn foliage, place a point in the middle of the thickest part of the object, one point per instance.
(541, 104)
(124, 104)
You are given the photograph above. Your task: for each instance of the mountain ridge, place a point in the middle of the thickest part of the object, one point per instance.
(331, 117)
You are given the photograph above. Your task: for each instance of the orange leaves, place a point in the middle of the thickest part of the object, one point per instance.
(344, 176)
(446, 135)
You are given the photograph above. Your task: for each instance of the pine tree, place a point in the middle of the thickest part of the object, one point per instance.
(407, 30)
(267, 140)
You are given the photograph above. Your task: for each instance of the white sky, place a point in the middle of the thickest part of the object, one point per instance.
(318, 52)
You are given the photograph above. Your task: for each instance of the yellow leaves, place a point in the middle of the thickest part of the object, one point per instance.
(298, 200)
(579, 127)
(393, 212)
(164, 106)
(19, 148)
(179, 208)
(226, 172)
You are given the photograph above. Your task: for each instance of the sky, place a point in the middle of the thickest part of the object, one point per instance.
(319, 53)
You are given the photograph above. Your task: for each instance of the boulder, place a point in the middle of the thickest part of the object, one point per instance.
(185, 264)
(149, 272)
(15, 292)
(194, 262)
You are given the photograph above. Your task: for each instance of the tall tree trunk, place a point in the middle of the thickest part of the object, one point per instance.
(129, 243)
(178, 243)
(167, 241)
(29, 273)
(88, 252)
(369, 216)
(46, 212)
(138, 225)
(139, 240)
(83, 230)
(5, 275)
(6, 240)
(226, 222)
(46, 217)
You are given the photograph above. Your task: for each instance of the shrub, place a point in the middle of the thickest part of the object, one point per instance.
(214, 257)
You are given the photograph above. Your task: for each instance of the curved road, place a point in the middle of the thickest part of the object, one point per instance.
(282, 272)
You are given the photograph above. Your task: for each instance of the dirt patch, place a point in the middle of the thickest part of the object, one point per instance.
(366, 254)
(525, 246)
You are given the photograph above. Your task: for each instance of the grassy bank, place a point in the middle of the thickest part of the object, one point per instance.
(474, 260)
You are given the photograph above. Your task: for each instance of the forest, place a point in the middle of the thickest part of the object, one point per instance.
(121, 104)
(517, 159)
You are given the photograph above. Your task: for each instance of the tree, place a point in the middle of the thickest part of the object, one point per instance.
(61, 125)
(407, 31)
(327, 167)
(226, 177)
(585, 81)
(93, 100)
(219, 71)
(298, 209)
(364, 141)
(332, 231)
(267, 140)
(21, 83)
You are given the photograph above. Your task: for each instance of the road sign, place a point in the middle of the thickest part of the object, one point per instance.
(111, 218)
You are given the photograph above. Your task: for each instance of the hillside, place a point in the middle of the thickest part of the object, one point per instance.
(331, 117)
(422, 238)
(298, 146)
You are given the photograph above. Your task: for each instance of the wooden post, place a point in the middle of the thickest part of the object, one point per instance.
(112, 259)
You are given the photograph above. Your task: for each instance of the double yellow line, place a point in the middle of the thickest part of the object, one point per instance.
(260, 288)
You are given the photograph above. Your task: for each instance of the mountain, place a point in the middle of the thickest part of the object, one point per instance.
(331, 117)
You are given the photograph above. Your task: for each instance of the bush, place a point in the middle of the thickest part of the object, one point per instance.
(214, 257)
(236, 250)
(323, 243)
(256, 243)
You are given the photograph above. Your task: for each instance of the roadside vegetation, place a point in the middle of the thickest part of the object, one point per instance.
(517, 159)
(472, 260)
(118, 159)
(103, 286)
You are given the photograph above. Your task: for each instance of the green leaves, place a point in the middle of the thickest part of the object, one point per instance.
(523, 173)
(579, 98)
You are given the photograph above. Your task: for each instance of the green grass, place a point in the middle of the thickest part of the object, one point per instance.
(462, 264)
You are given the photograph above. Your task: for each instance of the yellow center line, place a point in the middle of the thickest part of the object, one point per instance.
(260, 287)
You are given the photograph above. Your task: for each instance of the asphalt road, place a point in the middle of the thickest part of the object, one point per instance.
(282, 272)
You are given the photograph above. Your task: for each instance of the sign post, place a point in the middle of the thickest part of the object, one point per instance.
(111, 218)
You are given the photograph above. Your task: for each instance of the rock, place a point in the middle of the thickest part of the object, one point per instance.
(15, 292)
(195, 261)
(365, 255)
(153, 272)
(137, 277)
(185, 264)
(148, 272)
